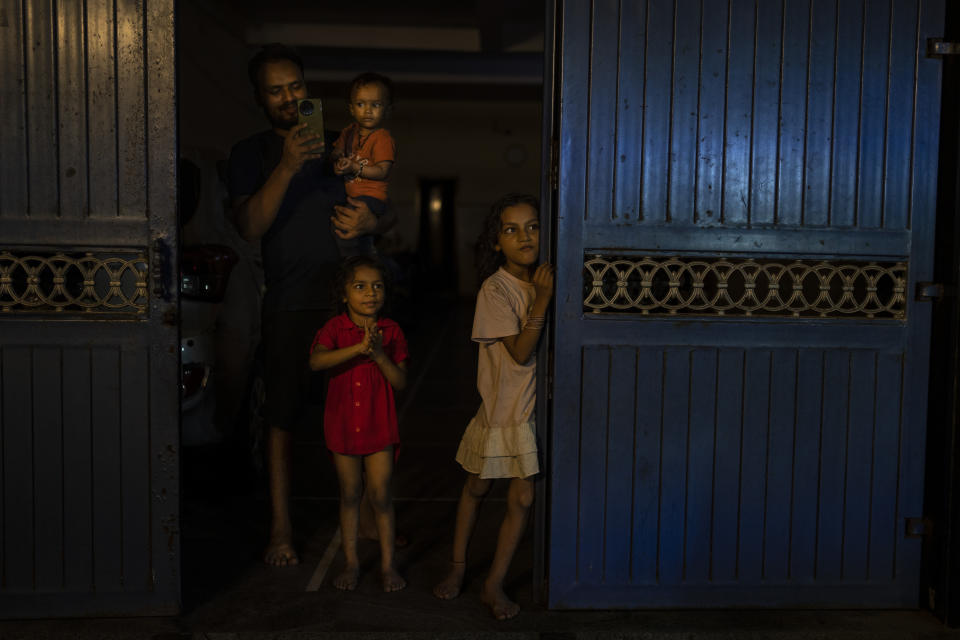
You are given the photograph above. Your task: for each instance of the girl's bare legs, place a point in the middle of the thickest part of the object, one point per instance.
(379, 467)
(349, 474)
(474, 490)
(519, 499)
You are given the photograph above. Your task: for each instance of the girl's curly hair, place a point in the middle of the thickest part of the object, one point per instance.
(488, 259)
(344, 276)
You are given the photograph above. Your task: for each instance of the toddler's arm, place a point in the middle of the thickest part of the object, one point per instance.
(379, 171)
(521, 346)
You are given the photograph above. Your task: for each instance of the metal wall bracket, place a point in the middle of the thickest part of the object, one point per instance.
(927, 291)
(938, 47)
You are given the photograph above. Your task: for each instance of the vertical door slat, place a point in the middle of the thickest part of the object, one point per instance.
(757, 377)
(41, 110)
(78, 470)
(601, 169)
(710, 118)
(833, 458)
(873, 116)
(819, 117)
(135, 446)
(860, 446)
(620, 446)
(726, 476)
(630, 111)
(683, 111)
(131, 125)
(846, 118)
(739, 114)
(884, 530)
(806, 456)
(780, 464)
(699, 465)
(18, 455)
(72, 109)
(900, 104)
(102, 108)
(48, 479)
(793, 92)
(13, 144)
(593, 468)
(647, 471)
(766, 108)
(657, 109)
(107, 501)
(673, 464)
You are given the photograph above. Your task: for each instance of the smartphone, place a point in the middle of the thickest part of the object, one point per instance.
(310, 110)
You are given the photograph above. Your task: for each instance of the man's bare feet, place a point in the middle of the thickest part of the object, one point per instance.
(449, 587)
(393, 581)
(502, 607)
(280, 553)
(348, 579)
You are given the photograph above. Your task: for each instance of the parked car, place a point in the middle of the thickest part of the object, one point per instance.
(221, 282)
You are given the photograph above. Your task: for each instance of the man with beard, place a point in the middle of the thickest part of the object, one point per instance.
(285, 195)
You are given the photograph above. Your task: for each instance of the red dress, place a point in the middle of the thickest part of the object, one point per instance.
(360, 416)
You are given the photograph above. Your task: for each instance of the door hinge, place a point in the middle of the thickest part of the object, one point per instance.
(927, 291)
(938, 47)
(554, 165)
(160, 271)
(918, 527)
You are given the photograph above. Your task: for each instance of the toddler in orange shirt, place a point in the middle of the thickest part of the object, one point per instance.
(365, 151)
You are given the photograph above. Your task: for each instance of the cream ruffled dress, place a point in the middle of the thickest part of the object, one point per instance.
(500, 441)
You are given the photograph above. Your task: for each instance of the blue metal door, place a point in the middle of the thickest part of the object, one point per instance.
(89, 370)
(745, 212)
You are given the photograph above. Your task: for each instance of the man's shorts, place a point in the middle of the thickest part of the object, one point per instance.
(289, 384)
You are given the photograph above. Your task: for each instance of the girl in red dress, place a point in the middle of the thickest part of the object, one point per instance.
(367, 358)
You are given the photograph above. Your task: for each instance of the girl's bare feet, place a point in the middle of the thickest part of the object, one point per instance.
(449, 587)
(502, 607)
(279, 552)
(393, 581)
(348, 578)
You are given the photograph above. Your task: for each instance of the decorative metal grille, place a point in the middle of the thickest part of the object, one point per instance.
(744, 287)
(108, 282)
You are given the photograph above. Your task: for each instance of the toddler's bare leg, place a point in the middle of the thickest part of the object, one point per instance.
(519, 499)
(474, 490)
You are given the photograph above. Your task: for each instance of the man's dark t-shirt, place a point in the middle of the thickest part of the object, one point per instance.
(299, 249)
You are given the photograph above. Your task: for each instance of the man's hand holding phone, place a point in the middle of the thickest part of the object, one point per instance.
(299, 146)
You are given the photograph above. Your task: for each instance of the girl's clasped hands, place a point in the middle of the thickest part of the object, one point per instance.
(372, 343)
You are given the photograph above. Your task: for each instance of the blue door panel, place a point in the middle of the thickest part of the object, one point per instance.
(708, 457)
(774, 113)
(729, 467)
